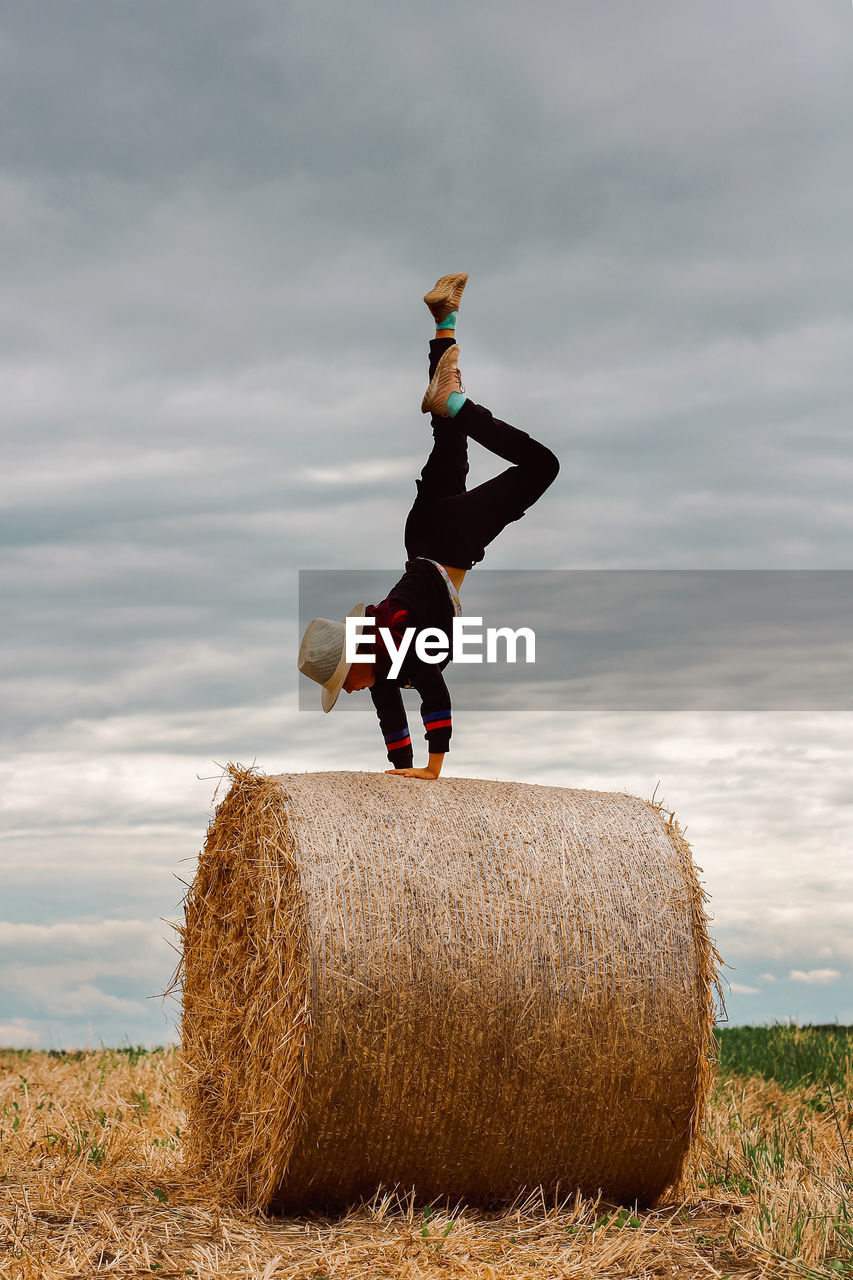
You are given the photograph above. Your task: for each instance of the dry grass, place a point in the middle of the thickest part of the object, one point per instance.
(92, 1183)
(469, 988)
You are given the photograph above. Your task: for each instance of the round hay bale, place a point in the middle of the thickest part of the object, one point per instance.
(469, 988)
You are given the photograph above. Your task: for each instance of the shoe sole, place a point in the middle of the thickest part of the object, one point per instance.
(438, 297)
(433, 384)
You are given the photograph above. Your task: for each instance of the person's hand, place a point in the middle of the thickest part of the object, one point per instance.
(414, 773)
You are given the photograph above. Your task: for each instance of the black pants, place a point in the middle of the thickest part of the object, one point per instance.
(453, 525)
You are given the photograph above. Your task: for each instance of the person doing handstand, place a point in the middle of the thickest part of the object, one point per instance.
(446, 534)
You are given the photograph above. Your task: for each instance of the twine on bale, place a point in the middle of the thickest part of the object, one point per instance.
(470, 988)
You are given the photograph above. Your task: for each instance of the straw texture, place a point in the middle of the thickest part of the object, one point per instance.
(469, 988)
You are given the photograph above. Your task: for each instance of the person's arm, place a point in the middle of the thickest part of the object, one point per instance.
(436, 715)
(388, 702)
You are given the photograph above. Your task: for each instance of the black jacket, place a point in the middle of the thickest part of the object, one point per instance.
(419, 599)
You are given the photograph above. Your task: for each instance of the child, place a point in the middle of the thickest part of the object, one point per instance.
(446, 534)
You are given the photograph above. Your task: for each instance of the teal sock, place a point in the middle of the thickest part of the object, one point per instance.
(455, 401)
(449, 322)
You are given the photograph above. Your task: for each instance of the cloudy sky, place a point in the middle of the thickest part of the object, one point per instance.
(218, 220)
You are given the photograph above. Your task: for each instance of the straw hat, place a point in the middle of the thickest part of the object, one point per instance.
(321, 655)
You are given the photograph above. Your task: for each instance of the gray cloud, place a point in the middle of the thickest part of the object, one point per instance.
(71, 976)
(216, 225)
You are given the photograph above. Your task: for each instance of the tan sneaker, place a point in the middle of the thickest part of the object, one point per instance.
(446, 295)
(446, 378)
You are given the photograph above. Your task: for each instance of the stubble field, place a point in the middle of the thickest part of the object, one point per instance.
(91, 1184)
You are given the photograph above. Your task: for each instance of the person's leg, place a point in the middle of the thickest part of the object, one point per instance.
(457, 528)
(447, 523)
(477, 516)
(447, 466)
(444, 472)
(535, 465)
(471, 520)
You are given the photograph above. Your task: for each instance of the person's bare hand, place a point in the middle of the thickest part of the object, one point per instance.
(414, 773)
